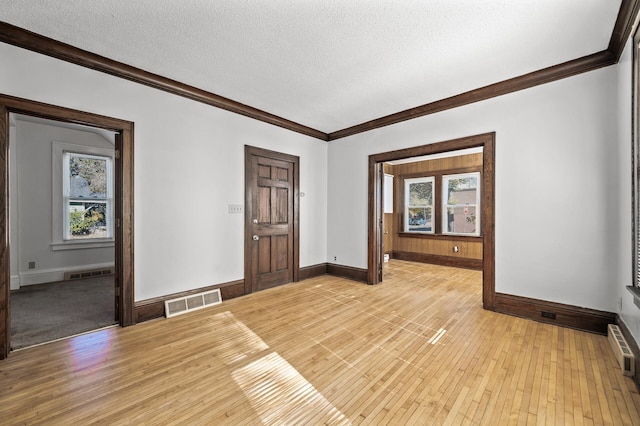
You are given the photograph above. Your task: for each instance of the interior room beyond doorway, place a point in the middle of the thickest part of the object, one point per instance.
(62, 232)
(432, 209)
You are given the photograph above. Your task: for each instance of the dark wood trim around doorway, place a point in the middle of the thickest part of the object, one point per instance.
(123, 211)
(487, 142)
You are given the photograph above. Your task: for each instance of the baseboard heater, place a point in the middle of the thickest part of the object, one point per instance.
(89, 273)
(621, 350)
(193, 302)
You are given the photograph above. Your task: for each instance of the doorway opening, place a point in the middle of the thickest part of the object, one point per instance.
(433, 220)
(61, 229)
(103, 217)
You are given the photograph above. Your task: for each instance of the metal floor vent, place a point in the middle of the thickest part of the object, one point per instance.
(192, 302)
(621, 350)
(89, 273)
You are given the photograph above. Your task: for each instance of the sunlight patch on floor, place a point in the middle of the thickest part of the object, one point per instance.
(279, 394)
(242, 341)
(437, 336)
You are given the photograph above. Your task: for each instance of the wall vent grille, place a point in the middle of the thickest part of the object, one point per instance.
(192, 302)
(88, 273)
(621, 350)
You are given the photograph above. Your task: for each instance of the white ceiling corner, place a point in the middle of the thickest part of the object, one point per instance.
(328, 64)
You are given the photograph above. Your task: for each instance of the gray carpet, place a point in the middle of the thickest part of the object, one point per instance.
(45, 312)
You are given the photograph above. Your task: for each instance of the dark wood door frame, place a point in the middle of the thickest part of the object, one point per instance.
(487, 142)
(123, 213)
(249, 152)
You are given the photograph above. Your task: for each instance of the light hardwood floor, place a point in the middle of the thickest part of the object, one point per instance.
(416, 349)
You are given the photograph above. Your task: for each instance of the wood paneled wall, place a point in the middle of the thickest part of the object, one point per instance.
(430, 248)
(440, 247)
(437, 165)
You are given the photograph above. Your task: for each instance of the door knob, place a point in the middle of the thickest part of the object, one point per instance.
(256, 238)
(255, 220)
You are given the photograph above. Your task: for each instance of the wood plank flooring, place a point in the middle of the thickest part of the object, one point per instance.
(415, 350)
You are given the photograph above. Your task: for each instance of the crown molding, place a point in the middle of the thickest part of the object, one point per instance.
(47, 46)
(626, 20)
(627, 17)
(546, 75)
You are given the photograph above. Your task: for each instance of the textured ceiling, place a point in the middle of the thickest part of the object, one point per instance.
(327, 64)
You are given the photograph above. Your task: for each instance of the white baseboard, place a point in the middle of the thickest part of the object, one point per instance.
(15, 282)
(55, 274)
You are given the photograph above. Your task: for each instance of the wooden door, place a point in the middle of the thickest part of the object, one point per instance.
(271, 219)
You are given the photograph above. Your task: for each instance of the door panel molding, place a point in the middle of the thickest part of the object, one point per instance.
(261, 174)
(123, 202)
(487, 142)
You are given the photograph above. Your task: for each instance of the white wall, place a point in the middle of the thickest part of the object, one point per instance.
(189, 165)
(556, 185)
(31, 197)
(557, 179)
(13, 210)
(628, 312)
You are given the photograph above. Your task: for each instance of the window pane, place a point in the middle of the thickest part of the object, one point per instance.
(421, 194)
(87, 220)
(461, 219)
(462, 191)
(87, 177)
(420, 219)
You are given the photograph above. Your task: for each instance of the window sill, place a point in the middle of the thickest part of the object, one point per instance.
(80, 245)
(636, 294)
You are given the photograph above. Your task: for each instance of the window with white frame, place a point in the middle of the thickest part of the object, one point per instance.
(82, 196)
(461, 204)
(419, 194)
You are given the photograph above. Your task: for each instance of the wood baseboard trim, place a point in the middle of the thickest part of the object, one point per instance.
(633, 345)
(312, 271)
(149, 309)
(456, 262)
(584, 319)
(348, 272)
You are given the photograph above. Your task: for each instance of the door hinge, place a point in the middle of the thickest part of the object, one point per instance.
(117, 153)
(117, 222)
